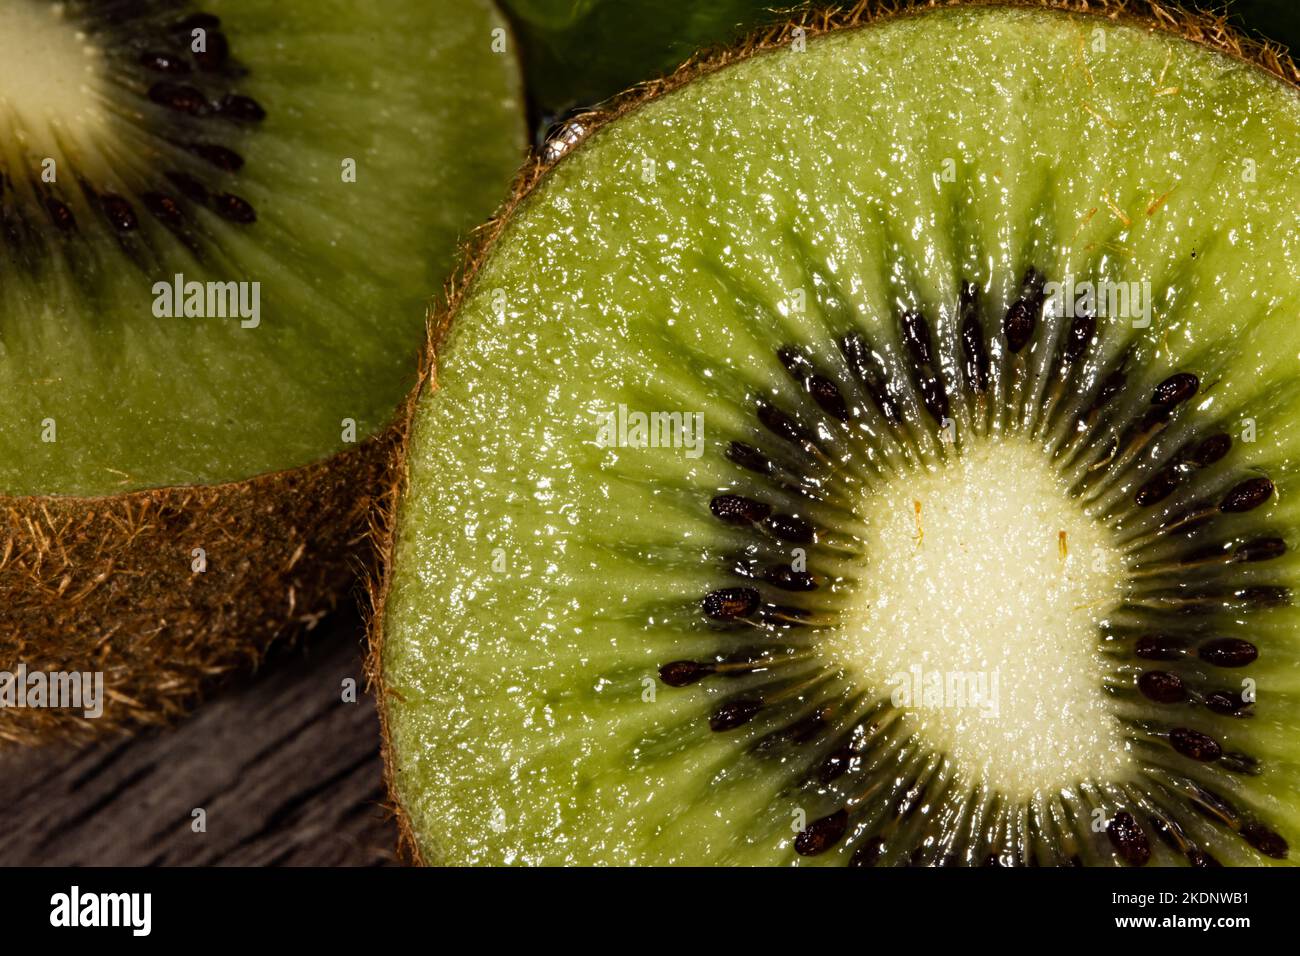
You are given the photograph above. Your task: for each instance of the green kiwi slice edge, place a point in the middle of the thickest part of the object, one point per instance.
(871, 448)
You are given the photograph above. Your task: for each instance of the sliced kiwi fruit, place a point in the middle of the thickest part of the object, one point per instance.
(220, 226)
(871, 448)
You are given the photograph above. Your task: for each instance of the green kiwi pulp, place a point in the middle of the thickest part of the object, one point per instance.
(876, 452)
(220, 228)
(313, 148)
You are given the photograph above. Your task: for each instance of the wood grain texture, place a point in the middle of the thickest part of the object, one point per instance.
(287, 772)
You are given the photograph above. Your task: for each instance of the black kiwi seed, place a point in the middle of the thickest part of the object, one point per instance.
(789, 528)
(219, 156)
(1155, 418)
(827, 396)
(1192, 743)
(794, 361)
(119, 213)
(1022, 317)
(1162, 687)
(916, 337)
(933, 397)
(217, 50)
(1082, 329)
(60, 215)
(164, 208)
(1129, 839)
(727, 604)
(836, 764)
(823, 391)
(1175, 390)
(1157, 488)
(787, 579)
(234, 208)
(1226, 702)
(1237, 762)
(738, 510)
(789, 613)
(822, 834)
(1111, 386)
(1260, 549)
(1260, 597)
(974, 351)
(683, 673)
(917, 342)
(1210, 450)
(869, 853)
(734, 713)
(1018, 325)
(780, 424)
(1246, 496)
(868, 370)
(1264, 840)
(749, 458)
(809, 727)
(181, 98)
(1227, 652)
(244, 108)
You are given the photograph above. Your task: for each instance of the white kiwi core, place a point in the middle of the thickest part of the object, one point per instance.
(978, 616)
(49, 76)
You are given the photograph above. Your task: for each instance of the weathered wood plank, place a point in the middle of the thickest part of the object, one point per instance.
(286, 771)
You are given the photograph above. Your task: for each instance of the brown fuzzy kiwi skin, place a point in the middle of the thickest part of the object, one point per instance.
(108, 583)
(1208, 29)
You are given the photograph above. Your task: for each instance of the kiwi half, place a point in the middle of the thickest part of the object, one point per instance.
(220, 225)
(938, 563)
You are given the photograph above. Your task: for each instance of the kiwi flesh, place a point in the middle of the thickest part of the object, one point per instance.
(220, 227)
(601, 639)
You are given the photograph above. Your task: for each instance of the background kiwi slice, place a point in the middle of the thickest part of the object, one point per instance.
(182, 477)
(603, 640)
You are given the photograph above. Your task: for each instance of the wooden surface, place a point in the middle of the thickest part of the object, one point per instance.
(287, 773)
